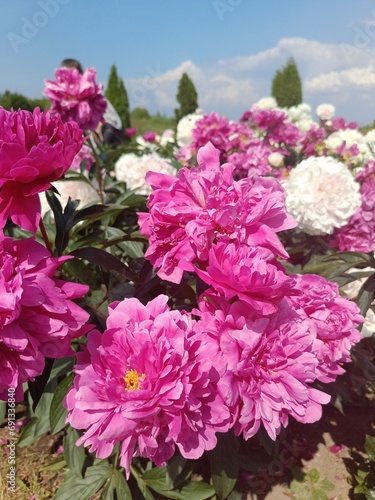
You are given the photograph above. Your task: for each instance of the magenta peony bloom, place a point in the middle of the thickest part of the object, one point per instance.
(253, 161)
(275, 125)
(35, 150)
(149, 136)
(84, 157)
(270, 364)
(358, 235)
(37, 316)
(249, 273)
(205, 205)
(148, 382)
(76, 97)
(130, 131)
(334, 318)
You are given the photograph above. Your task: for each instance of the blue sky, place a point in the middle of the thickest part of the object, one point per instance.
(230, 48)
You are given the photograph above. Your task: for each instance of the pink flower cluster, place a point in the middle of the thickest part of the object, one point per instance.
(158, 379)
(205, 205)
(38, 317)
(76, 97)
(148, 382)
(358, 235)
(35, 150)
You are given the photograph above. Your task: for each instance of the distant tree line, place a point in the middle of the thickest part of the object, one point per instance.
(14, 100)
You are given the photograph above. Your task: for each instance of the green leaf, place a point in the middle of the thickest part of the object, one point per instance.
(57, 411)
(3, 410)
(147, 495)
(118, 486)
(196, 490)
(314, 475)
(74, 455)
(75, 487)
(366, 294)
(175, 471)
(326, 485)
(63, 220)
(319, 495)
(104, 259)
(225, 464)
(58, 464)
(39, 423)
(370, 447)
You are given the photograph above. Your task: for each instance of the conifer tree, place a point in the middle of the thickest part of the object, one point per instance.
(286, 85)
(117, 95)
(187, 97)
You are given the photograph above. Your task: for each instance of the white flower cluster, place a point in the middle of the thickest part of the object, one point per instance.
(351, 137)
(325, 111)
(301, 116)
(321, 194)
(132, 170)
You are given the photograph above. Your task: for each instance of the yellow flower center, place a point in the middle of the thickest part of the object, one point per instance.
(132, 380)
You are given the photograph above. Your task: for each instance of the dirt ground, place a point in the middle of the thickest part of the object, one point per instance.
(313, 461)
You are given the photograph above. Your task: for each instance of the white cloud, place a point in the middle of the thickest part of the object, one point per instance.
(330, 73)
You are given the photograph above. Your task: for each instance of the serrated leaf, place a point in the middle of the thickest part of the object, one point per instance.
(58, 413)
(73, 454)
(224, 464)
(83, 488)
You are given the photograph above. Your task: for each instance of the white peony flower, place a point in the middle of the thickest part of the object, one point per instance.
(351, 290)
(325, 111)
(167, 137)
(132, 170)
(321, 194)
(301, 116)
(351, 137)
(184, 134)
(266, 103)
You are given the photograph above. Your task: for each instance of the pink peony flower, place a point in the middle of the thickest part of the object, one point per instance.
(35, 150)
(253, 161)
(275, 125)
(149, 136)
(148, 382)
(248, 273)
(334, 318)
(37, 316)
(130, 131)
(270, 364)
(76, 97)
(205, 205)
(358, 235)
(85, 156)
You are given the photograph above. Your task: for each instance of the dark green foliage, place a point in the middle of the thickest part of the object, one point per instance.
(117, 95)
(186, 96)
(10, 100)
(287, 86)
